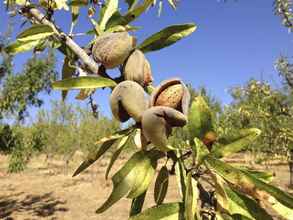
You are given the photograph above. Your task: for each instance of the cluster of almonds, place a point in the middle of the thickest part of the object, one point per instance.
(168, 104)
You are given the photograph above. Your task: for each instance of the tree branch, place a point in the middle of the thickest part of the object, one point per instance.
(35, 14)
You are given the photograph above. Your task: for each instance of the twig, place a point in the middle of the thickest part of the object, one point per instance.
(35, 14)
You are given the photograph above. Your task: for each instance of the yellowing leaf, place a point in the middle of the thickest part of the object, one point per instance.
(19, 47)
(35, 32)
(84, 82)
(110, 7)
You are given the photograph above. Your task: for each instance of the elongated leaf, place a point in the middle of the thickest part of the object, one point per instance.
(83, 82)
(19, 47)
(137, 204)
(181, 178)
(35, 32)
(168, 211)
(191, 198)
(246, 137)
(221, 195)
(132, 14)
(131, 3)
(265, 176)
(161, 185)
(282, 210)
(248, 183)
(106, 143)
(120, 147)
(167, 37)
(110, 7)
(133, 178)
(200, 151)
(240, 204)
(67, 71)
(74, 14)
(199, 118)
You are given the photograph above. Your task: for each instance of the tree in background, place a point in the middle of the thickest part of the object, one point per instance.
(209, 187)
(257, 104)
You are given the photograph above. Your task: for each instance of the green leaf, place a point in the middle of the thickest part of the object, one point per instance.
(200, 151)
(67, 71)
(243, 205)
(181, 177)
(120, 147)
(161, 185)
(167, 37)
(199, 118)
(168, 211)
(131, 3)
(110, 7)
(18, 47)
(83, 82)
(281, 209)
(106, 143)
(132, 14)
(263, 175)
(248, 183)
(35, 32)
(133, 178)
(74, 14)
(137, 204)
(246, 137)
(191, 197)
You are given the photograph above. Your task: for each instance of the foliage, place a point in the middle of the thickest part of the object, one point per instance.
(257, 104)
(198, 156)
(19, 91)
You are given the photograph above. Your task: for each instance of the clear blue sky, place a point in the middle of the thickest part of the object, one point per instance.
(234, 42)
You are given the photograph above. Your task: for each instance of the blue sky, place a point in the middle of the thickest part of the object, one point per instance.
(234, 42)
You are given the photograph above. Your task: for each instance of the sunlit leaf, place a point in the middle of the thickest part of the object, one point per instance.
(161, 185)
(246, 137)
(133, 178)
(199, 118)
(240, 204)
(19, 47)
(62, 4)
(35, 32)
(172, 3)
(167, 37)
(106, 143)
(281, 209)
(83, 82)
(120, 147)
(265, 176)
(168, 211)
(74, 14)
(191, 197)
(200, 151)
(131, 15)
(248, 183)
(110, 7)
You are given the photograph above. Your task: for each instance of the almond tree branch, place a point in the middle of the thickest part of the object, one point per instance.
(34, 14)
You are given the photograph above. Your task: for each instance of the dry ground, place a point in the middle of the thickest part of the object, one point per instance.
(47, 191)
